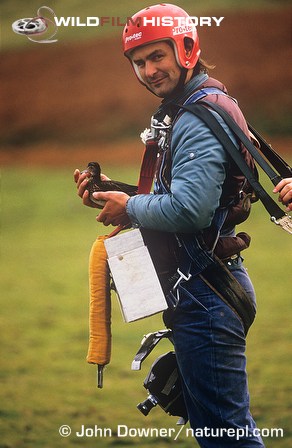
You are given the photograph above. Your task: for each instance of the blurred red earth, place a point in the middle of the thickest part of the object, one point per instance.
(71, 103)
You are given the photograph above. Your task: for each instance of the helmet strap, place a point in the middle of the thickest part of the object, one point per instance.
(181, 82)
(179, 86)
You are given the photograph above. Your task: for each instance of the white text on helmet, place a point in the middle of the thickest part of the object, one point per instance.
(135, 36)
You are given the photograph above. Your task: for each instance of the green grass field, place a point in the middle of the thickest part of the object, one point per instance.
(46, 235)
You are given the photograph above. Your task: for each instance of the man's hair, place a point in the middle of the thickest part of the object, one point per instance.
(202, 67)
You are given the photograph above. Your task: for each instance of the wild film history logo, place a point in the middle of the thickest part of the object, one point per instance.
(38, 26)
(43, 29)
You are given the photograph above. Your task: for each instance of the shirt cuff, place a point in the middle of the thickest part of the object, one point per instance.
(130, 212)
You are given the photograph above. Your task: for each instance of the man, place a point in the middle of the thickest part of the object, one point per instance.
(284, 188)
(197, 191)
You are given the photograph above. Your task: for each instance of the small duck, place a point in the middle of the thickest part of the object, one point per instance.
(95, 183)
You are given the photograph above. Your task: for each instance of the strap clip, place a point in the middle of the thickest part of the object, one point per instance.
(148, 343)
(285, 222)
(182, 276)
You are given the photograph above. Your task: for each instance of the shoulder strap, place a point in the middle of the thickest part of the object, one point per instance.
(198, 95)
(277, 162)
(277, 214)
(274, 158)
(147, 168)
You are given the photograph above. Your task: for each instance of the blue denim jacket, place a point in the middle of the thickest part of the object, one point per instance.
(199, 168)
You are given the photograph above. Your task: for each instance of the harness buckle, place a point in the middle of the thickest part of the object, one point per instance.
(182, 276)
(285, 222)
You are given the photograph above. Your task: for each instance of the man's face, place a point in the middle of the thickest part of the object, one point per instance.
(157, 66)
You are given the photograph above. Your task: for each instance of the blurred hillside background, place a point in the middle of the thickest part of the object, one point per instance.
(62, 105)
(80, 93)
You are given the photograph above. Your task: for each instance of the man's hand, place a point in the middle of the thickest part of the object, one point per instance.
(114, 211)
(81, 181)
(284, 188)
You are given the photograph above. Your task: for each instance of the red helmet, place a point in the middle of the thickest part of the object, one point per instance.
(162, 22)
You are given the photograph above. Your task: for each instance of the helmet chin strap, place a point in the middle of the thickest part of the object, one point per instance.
(179, 86)
(181, 82)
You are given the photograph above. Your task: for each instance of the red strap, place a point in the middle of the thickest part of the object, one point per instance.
(147, 172)
(147, 169)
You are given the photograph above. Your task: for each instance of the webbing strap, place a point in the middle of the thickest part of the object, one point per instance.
(147, 169)
(149, 158)
(206, 115)
(274, 158)
(202, 93)
(275, 178)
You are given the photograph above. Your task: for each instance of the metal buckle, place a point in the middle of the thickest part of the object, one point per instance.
(232, 261)
(182, 276)
(148, 343)
(285, 222)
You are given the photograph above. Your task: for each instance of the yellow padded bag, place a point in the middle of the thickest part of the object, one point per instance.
(99, 349)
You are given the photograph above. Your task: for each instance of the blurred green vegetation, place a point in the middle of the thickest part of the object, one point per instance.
(46, 236)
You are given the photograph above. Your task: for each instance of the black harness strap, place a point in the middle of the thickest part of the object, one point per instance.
(206, 115)
(274, 158)
(278, 163)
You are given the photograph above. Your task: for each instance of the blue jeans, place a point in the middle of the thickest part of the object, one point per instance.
(210, 348)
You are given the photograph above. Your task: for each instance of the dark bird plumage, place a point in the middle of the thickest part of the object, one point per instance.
(96, 184)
